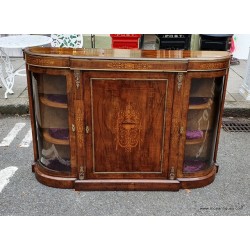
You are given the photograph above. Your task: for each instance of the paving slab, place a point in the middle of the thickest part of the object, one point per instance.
(229, 98)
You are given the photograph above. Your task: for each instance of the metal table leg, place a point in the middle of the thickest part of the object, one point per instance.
(8, 82)
(92, 41)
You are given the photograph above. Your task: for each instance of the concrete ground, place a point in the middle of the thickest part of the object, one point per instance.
(228, 195)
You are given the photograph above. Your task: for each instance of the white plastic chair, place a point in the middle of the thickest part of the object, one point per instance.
(67, 40)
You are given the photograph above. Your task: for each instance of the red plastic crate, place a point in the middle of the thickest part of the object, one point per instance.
(125, 41)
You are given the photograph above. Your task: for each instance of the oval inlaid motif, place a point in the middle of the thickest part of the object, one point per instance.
(128, 128)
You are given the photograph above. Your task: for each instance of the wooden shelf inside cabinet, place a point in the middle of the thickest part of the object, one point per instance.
(194, 141)
(197, 140)
(53, 104)
(53, 140)
(191, 166)
(202, 103)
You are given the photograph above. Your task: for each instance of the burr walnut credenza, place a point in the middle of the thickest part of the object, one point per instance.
(120, 119)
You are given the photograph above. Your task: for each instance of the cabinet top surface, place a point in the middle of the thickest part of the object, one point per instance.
(128, 54)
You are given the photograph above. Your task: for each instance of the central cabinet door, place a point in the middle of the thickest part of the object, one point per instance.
(127, 124)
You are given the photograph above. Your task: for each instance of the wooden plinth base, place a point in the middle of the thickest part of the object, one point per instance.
(130, 185)
(123, 184)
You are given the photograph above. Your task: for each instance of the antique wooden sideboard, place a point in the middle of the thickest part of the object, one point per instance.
(125, 119)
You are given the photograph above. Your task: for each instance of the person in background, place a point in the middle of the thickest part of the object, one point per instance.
(234, 60)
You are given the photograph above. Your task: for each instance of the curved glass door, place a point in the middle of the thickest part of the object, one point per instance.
(51, 109)
(202, 124)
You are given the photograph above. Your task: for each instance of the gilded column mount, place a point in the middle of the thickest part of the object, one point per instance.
(81, 173)
(179, 80)
(77, 78)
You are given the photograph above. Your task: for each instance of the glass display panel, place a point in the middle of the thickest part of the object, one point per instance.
(51, 121)
(203, 114)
